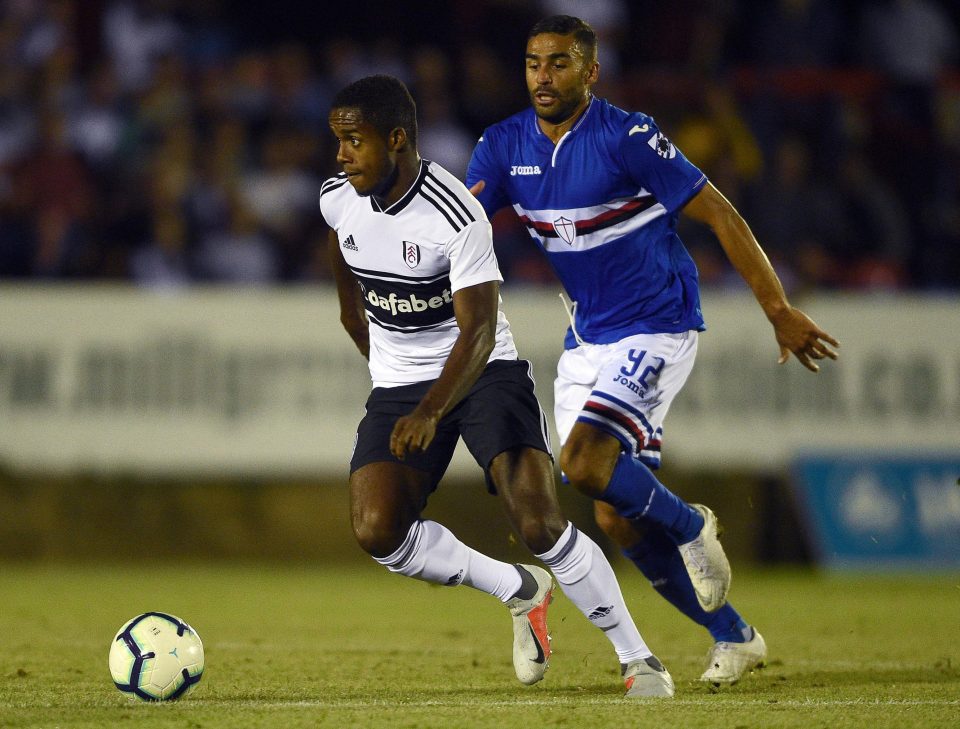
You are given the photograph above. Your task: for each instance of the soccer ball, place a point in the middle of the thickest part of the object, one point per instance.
(156, 657)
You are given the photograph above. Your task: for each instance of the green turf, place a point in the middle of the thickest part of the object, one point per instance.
(352, 646)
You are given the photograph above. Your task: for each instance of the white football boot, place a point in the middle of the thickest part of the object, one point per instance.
(646, 678)
(707, 564)
(728, 662)
(531, 639)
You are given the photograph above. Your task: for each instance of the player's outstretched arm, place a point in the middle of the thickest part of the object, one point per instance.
(794, 330)
(476, 310)
(352, 315)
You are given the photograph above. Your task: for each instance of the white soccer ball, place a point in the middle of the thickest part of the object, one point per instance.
(156, 657)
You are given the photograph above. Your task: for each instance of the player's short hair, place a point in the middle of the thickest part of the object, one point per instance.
(383, 101)
(581, 31)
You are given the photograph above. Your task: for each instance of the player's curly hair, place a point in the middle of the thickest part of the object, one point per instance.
(383, 101)
(581, 31)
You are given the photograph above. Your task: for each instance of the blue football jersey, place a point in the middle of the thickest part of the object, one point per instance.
(602, 203)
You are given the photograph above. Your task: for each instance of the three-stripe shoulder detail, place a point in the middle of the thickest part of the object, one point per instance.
(333, 183)
(446, 201)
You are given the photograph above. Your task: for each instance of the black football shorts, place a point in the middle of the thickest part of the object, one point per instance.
(499, 413)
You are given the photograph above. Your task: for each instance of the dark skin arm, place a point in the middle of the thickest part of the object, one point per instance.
(476, 310)
(794, 330)
(352, 315)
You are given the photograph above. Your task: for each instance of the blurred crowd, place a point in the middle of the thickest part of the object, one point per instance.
(170, 142)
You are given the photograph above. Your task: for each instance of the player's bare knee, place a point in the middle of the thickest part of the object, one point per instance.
(539, 534)
(376, 534)
(583, 470)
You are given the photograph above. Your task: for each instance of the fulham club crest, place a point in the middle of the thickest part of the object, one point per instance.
(566, 229)
(411, 254)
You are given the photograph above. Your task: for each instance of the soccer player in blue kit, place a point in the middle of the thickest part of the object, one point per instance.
(600, 190)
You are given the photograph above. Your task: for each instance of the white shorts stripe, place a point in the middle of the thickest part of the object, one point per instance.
(544, 425)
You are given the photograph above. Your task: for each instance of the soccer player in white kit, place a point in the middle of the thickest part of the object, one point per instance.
(418, 283)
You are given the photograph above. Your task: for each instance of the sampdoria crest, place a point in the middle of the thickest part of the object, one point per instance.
(566, 229)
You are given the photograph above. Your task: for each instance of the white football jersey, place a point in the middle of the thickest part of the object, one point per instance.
(409, 259)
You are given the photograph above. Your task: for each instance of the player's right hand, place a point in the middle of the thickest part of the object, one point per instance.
(412, 434)
(478, 188)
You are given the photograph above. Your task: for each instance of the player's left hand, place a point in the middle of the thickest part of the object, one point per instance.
(477, 187)
(798, 333)
(412, 434)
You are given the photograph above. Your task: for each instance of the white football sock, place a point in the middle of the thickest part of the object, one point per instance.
(432, 553)
(586, 577)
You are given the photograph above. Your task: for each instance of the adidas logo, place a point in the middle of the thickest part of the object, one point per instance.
(454, 580)
(349, 244)
(601, 612)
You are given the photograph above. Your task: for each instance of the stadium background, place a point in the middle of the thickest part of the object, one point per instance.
(159, 168)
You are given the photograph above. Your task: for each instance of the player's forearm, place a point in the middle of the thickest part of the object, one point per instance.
(357, 328)
(751, 263)
(711, 208)
(352, 314)
(466, 362)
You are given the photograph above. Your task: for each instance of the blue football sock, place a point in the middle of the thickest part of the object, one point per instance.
(636, 493)
(657, 557)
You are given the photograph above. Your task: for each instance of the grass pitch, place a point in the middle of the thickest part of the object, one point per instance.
(353, 646)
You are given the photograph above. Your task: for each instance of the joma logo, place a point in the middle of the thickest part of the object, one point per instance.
(525, 170)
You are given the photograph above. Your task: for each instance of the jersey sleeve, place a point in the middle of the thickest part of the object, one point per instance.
(472, 260)
(657, 165)
(483, 166)
(327, 208)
